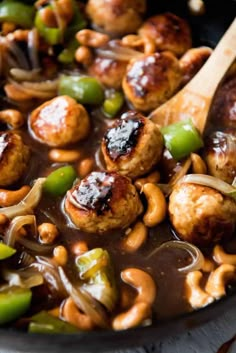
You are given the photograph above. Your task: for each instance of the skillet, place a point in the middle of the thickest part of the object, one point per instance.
(207, 30)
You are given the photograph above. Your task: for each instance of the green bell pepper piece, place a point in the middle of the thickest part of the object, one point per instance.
(181, 138)
(52, 35)
(86, 90)
(14, 302)
(113, 104)
(68, 54)
(43, 322)
(59, 181)
(6, 251)
(17, 12)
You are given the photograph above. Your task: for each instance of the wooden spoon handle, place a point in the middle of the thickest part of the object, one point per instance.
(209, 77)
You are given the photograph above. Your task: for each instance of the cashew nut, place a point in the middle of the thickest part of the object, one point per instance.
(157, 206)
(12, 117)
(85, 167)
(63, 156)
(153, 177)
(79, 248)
(12, 197)
(147, 44)
(60, 255)
(92, 38)
(218, 279)
(74, 316)
(133, 317)
(198, 164)
(48, 232)
(142, 282)
(84, 55)
(208, 265)
(135, 238)
(196, 296)
(221, 257)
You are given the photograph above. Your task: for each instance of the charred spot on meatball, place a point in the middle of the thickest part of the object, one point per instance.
(151, 80)
(170, 32)
(133, 146)
(220, 152)
(103, 201)
(14, 156)
(201, 215)
(59, 122)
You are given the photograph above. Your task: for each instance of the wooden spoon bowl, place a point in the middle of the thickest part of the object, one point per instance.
(194, 100)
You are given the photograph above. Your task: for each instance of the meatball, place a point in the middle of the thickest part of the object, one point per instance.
(169, 31)
(59, 122)
(223, 112)
(116, 17)
(14, 156)
(192, 61)
(103, 201)
(201, 215)
(109, 72)
(133, 146)
(151, 80)
(220, 155)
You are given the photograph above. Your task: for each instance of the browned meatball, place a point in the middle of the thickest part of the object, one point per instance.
(201, 215)
(223, 110)
(220, 155)
(169, 31)
(192, 61)
(109, 72)
(103, 201)
(151, 80)
(116, 17)
(59, 122)
(133, 146)
(14, 156)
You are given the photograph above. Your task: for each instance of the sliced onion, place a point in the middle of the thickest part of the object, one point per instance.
(34, 246)
(212, 182)
(99, 159)
(118, 52)
(18, 54)
(26, 205)
(183, 171)
(193, 251)
(33, 93)
(48, 85)
(84, 301)
(33, 40)
(49, 271)
(26, 278)
(24, 75)
(16, 225)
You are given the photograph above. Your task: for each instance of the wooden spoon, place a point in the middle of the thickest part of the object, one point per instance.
(195, 99)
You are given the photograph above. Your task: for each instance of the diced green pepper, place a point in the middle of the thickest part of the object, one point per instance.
(113, 104)
(59, 181)
(6, 251)
(17, 12)
(67, 55)
(46, 323)
(181, 138)
(78, 22)
(14, 302)
(52, 35)
(86, 90)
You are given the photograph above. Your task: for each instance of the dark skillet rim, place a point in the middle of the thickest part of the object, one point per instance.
(102, 341)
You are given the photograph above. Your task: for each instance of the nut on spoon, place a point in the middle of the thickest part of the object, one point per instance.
(194, 100)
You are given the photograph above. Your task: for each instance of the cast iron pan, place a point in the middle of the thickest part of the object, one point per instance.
(207, 30)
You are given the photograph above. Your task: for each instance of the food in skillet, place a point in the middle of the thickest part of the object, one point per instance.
(103, 214)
